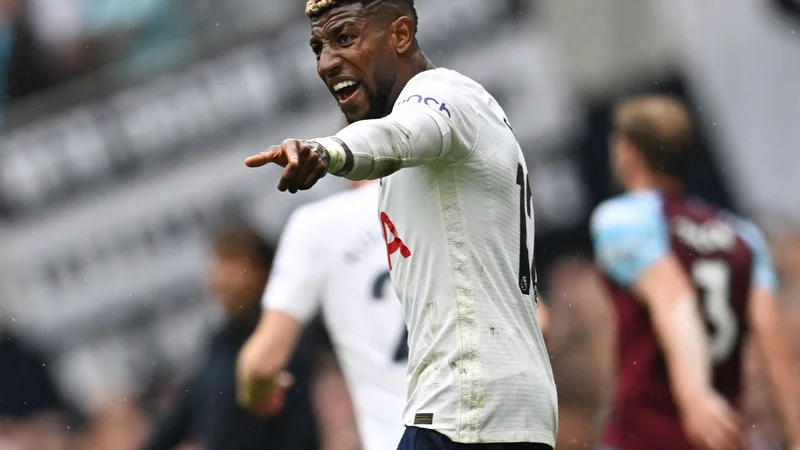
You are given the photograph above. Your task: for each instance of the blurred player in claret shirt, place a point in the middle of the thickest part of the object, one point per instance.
(688, 282)
(455, 208)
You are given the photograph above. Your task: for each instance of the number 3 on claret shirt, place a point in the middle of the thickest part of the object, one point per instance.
(713, 276)
(525, 211)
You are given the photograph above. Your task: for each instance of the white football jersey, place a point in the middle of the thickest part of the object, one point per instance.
(459, 234)
(332, 258)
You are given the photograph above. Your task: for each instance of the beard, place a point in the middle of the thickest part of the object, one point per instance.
(378, 99)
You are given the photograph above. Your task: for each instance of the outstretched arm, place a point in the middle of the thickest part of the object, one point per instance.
(365, 150)
(371, 149)
(430, 126)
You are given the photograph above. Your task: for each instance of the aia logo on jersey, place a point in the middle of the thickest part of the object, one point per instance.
(396, 244)
(428, 101)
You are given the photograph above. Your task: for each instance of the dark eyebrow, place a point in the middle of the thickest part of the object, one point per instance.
(339, 27)
(334, 29)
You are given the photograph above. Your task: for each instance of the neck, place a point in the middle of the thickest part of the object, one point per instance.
(418, 63)
(663, 183)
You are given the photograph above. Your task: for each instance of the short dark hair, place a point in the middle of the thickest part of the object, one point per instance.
(660, 127)
(241, 239)
(315, 8)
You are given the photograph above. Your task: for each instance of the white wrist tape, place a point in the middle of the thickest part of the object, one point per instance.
(336, 153)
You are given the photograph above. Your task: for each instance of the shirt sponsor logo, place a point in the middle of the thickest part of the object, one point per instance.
(428, 101)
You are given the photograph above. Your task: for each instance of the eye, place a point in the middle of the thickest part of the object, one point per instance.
(345, 39)
(317, 49)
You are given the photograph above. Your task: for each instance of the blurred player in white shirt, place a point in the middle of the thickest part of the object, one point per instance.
(456, 213)
(332, 259)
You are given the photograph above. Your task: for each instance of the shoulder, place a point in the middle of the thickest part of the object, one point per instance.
(629, 234)
(764, 273)
(629, 211)
(450, 80)
(752, 235)
(747, 230)
(442, 89)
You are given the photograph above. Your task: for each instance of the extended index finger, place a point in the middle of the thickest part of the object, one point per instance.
(267, 156)
(291, 148)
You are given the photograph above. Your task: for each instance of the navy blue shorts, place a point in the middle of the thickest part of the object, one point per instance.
(422, 439)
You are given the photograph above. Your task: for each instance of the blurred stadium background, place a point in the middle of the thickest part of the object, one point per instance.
(125, 124)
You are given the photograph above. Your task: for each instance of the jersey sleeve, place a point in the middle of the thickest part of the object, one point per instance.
(629, 236)
(764, 276)
(432, 122)
(297, 277)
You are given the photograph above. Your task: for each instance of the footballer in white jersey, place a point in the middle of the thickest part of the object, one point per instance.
(457, 219)
(332, 260)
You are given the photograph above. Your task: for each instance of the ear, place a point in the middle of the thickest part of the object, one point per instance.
(403, 34)
(626, 153)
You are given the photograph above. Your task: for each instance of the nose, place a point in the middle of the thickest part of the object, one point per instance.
(329, 63)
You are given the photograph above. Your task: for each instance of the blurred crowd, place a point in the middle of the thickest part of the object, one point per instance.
(45, 44)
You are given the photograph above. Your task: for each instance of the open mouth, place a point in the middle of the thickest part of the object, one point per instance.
(345, 90)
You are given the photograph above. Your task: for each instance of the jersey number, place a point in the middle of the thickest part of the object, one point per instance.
(378, 290)
(714, 277)
(525, 210)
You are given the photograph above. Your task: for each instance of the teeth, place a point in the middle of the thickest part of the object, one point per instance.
(344, 84)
